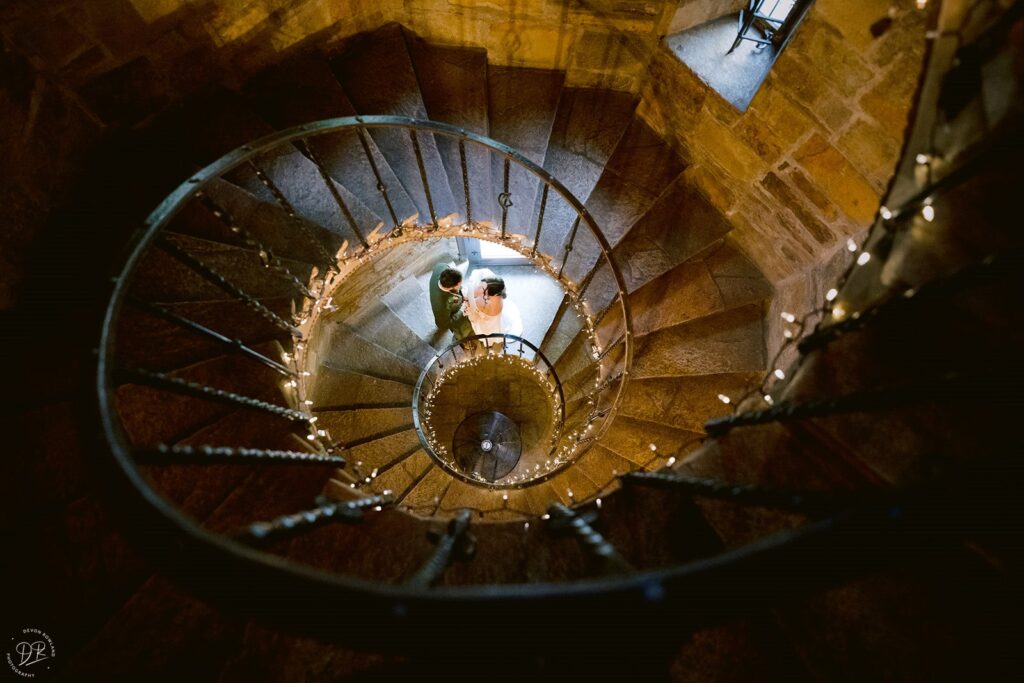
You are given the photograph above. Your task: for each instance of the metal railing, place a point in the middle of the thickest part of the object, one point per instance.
(444, 368)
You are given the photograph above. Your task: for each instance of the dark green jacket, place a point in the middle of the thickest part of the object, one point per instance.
(447, 307)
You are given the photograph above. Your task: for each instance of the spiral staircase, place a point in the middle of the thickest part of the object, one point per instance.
(267, 346)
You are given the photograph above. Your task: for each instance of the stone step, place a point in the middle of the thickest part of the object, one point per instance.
(453, 83)
(677, 228)
(719, 279)
(379, 323)
(410, 303)
(379, 453)
(151, 415)
(425, 496)
(304, 89)
(401, 476)
(601, 464)
(199, 489)
(146, 340)
(685, 402)
(637, 173)
(266, 221)
(349, 427)
(726, 342)
(160, 277)
(587, 128)
(522, 105)
(351, 351)
(359, 66)
(338, 389)
(632, 439)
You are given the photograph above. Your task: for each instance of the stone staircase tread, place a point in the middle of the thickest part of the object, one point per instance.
(380, 453)
(348, 427)
(586, 129)
(408, 301)
(632, 439)
(522, 104)
(151, 415)
(304, 89)
(453, 83)
(359, 66)
(340, 389)
(726, 342)
(265, 220)
(350, 350)
(161, 277)
(686, 402)
(306, 190)
(386, 329)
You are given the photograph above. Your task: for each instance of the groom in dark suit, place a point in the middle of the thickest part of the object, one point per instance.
(446, 301)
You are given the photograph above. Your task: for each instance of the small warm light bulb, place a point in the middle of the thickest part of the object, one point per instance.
(311, 437)
(851, 245)
(831, 294)
(652, 446)
(779, 373)
(545, 516)
(921, 159)
(671, 461)
(504, 496)
(838, 312)
(884, 212)
(769, 400)
(863, 258)
(788, 317)
(921, 4)
(724, 399)
(928, 212)
(526, 526)
(787, 334)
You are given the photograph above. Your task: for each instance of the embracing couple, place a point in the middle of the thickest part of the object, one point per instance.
(483, 309)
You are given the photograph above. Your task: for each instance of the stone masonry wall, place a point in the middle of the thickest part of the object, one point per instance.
(805, 165)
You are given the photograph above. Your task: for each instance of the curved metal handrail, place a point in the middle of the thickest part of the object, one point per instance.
(453, 350)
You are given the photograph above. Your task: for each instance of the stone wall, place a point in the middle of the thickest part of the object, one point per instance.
(805, 165)
(692, 13)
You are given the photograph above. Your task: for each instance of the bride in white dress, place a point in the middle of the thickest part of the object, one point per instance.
(487, 307)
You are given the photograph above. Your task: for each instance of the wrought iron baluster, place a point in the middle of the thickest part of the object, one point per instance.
(454, 543)
(182, 386)
(381, 187)
(465, 180)
(952, 387)
(265, 253)
(211, 275)
(308, 150)
(349, 511)
(167, 453)
(287, 207)
(423, 176)
(807, 502)
(568, 245)
(565, 520)
(505, 198)
(234, 343)
(540, 218)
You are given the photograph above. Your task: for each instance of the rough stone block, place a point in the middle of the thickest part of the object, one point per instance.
(839, 180)
(872, 150)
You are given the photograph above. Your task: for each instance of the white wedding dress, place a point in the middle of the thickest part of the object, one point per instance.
(508, 322)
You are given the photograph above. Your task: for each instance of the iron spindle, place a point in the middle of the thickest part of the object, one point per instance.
(308, 150)
(808, 502)
(287, 207)
(178, 453)
(566, 520)
(265, 253)
(540, 217)
(381, 187)
(423, 176)
(215, 278)
(569, 244)
(349, 511)
(505, 198)
(233, 343)
(455, 542)
(465, 180)
(182, 386)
